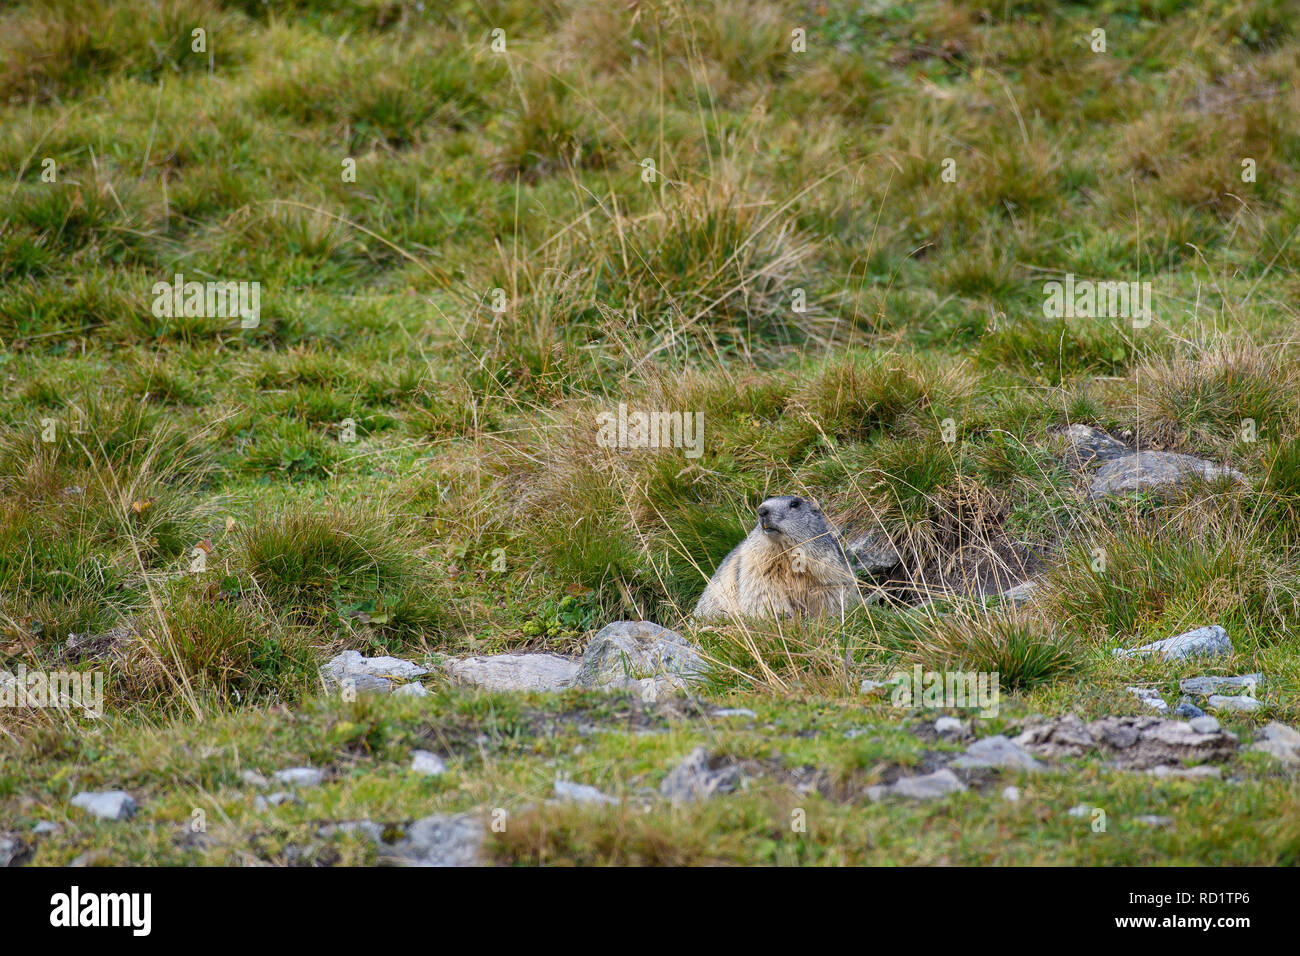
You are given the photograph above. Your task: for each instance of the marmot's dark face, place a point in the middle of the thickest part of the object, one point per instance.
(789, 516)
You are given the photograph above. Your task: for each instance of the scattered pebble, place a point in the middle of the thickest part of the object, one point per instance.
(430, 764)
(107, 805)
(300, 776)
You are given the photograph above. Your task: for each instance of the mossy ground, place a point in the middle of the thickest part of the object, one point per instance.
(917, 387)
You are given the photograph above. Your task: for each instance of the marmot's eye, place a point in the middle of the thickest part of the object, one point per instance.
(794, 504)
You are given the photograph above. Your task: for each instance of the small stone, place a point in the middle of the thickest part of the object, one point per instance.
(1022, 593)
(1281, 741)
(1149, 698)
(429, 764)
(1204, 725)
(411, 690)
(694, 779)
(582, 793)
(253, 778)
(438, 840)
(872, 553)
(997, 751)
(300, 776)
(274, 799)
(628, 651)
(45, 826)
(1011, 794)
(1236, 705)
(734, 712)
(1211, 641)
(1083, 445)
(950, 727)
(874, 687)
(1201, 772)
(371, 675)
(929, 786)
(1187, 710)
(107, 805)
(1081, 810)
(1205, 686)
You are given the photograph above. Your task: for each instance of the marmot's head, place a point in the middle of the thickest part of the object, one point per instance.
(789, 517)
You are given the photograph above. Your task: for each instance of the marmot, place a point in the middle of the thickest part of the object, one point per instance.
(793, 563)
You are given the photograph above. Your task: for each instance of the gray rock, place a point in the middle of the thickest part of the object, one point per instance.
(734, 712)
(1151, 820)
(368, 674)
(1204, 724)
(411, 690)
(926, 787)
(697, 778)
(1152, 470)
(107, 804)
(437, 840)
(874, 687)
(44, 827)
(1234, 705)
(1136, 742)
(873, 553)
(1210, 641)
(253, 778)
(429, 764)
(12, 850)
(1150, 698)
(1022, 593)
(523, 672)
(1083, 445)
(1205, 686)
(630, 651)
(300, 776)
(582, 793)
(1187, 710)
(1080, 810)
(997, 752)
(1281, 741)
(1011, 794)
(1200, 772)
(950, 727)
(274, 799)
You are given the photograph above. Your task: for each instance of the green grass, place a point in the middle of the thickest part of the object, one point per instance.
(401, 457)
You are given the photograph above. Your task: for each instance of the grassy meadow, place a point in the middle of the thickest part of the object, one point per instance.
(475, 226)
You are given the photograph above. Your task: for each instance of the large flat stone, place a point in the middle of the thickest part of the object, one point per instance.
(525, 672)
(1152, 470)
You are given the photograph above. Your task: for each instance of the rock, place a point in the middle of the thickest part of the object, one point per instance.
(1083, 445)
(1155, 470)
(950, 727)
(997, 752)
(429, 764)
(1150, 698)
(926, 787)
(253, 778)
(368, 674)
(1210, 641)
(1011, 794)
(1081, 810)
(698, 778)
(1187, 710)
(1281, 741)
(107, 805)
(1201, 772)
(581, 793)
(1204, 725)
(873, 553)
(874, 687)
(437, 840)
(1154, 821)
(1206, 686)
(523, 672)
(1022, 593)
(1235, 705)
(274, 799)
(1136, 742)
(627, 651)
(411, 690)
(43, 827)
(300, 776)
(13, 852)
(734, 712)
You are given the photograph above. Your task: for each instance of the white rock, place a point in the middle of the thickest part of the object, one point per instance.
(1150, 698)
(430, 764)
(874, 687)
(734, 712)
(925, 787)
(631, 651)
(1203, 771)
(300, 776)
(1211, 641)
(1281, 741)
(253, 778)
(1011, 794)
(107, 804)
(1204, 725)
(950, 726)
(1236, 705)
(997, 751)
(581, 793)
(411, 690)
(524, 672)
